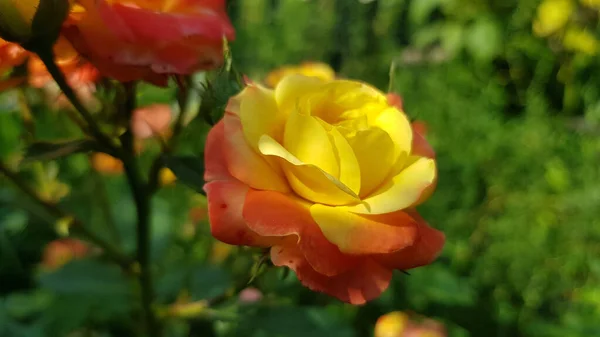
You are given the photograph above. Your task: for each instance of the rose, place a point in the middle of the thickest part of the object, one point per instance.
(141, 39)
(327, 174)
(312, 69)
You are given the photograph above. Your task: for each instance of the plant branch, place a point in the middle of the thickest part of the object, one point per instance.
(76, 225)
(47, 57)
(142, 196)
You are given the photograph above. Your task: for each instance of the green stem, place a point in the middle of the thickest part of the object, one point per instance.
(47, 57)
(142, 197)
(76, 225)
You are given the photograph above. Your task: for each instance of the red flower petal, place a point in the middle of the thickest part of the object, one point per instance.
(270, 213)
(425, 250)
(364, 282)
(130, 42)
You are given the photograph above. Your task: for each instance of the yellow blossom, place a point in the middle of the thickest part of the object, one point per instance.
(580, 40)
(552, 15)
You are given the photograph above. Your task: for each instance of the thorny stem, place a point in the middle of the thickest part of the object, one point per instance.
(142, 196)
(76, 225)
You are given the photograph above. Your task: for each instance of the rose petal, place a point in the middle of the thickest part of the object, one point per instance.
(259, 114)
(271, 213)
(225, 205)
(366, 281)
(401, 191)
(308, 181)
(293, 86)
(420, 146)
(426, 248)
(396, 124)
(215, 166)
(245, 164)
(374, 150)
(365, 234)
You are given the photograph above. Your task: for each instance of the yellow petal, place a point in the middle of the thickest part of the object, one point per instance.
(364, 234)
(349, 173)
(400, 192)
(306, 139)
(292, 87)
(259, 114)
(375, 152)
(308, 181)
(246, 164)
(395, 123)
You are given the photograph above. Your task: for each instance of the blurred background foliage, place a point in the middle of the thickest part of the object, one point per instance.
(510, 93)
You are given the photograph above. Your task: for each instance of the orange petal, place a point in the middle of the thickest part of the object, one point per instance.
(365, 234)
(215, 166)
(425, 250)
(150, 120)
(244, 163)
(395, 100)
(364, 282)
(225, 205)
(420, 146)
(270, 213)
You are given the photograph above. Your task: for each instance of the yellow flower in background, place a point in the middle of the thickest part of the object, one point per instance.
(312, 69)
(166, 177)
(220, 251)
(581, 41)
(552, 15)
(106, 164)
(391, 325)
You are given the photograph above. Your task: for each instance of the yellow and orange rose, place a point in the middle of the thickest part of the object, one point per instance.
(143, 39)
(312, 69)
(327, 174)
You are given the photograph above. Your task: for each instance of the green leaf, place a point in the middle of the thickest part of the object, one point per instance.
(292, 322)
(483, 39)
(224, 84)
(54, 150)
(452, 37)
(420, 10)
(87, 277)
(98, 291)
(24, 304)
(209, 281)
(188, 169)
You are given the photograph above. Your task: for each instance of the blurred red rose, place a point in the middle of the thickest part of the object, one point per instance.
(143, 39)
